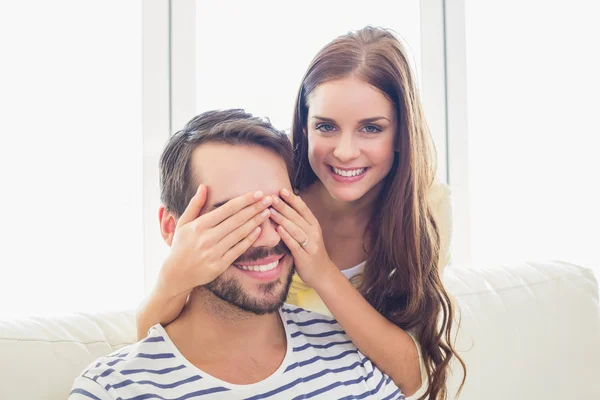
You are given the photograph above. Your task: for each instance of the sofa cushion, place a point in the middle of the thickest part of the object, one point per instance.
(528, 331)
(42, 356)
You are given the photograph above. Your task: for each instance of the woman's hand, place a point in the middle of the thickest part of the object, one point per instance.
(301, 232)
(204, 246)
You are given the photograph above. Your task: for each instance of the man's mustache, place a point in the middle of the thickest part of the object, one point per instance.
(257, 253)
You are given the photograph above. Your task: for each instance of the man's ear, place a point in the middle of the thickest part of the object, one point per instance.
(168, 223)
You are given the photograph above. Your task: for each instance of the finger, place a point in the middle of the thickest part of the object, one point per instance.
(234, 205)
(194, 207)
(290, 242)
(241, 217)
(230, 239)
(300, 206)
(296, 232)
(236, 251)
(288, 212)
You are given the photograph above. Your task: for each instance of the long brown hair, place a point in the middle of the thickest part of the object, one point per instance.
(401, 278)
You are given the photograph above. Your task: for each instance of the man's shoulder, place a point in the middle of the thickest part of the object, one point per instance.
(146, 354)
(302, 317)
(312, 326)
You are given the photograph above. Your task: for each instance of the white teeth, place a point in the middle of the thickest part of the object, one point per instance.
(350, 173)
(259, 268)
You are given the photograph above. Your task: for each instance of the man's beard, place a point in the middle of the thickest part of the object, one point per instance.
(231, 291)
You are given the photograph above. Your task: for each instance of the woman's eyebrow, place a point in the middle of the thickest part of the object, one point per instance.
(362, 121)
(373, 119)
(323, 118)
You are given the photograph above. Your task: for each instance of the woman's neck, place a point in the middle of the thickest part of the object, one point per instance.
(330, 211)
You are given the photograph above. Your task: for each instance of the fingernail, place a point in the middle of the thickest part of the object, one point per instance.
(256, 231)
(199, 189)
(275, 200)
(258, 195)
(285, 192)
(274, 212)
(267, 200)
(265, 213)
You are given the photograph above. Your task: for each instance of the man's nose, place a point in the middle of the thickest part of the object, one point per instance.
(268, 237)
(346, 149)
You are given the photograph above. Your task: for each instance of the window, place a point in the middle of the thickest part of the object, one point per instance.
(253, 55)
(71, 156)
(534, 132)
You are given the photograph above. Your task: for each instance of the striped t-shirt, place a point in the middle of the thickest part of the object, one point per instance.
(320, 362)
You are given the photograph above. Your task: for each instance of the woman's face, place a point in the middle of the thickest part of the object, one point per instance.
(351, 135)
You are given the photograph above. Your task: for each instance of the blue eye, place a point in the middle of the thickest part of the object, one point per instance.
(325, 127)
(372, 129)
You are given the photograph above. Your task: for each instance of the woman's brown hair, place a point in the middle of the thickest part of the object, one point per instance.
(401, 278)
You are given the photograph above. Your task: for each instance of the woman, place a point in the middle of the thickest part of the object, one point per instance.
(364, 168)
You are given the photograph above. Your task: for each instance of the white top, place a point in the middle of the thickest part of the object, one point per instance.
(352, 272)
(320, 362)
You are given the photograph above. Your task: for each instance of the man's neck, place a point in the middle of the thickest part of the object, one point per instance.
(212, 332)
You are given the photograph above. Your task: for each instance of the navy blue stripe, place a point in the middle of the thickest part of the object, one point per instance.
(320, 346)
(113, 362)
(185, 396)
(374, 391)
(296, 311)
(317, 358)
(152, 371)
(307, 379)
(157, 356)
(312, 322)
(119, 355)
(154, 339)
(333, 386)
(84, 393)
(105, 373)
(158, 385)
(367, 393)
(378, 385)
(321, 334)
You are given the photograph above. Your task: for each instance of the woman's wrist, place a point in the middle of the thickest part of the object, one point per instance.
(328, 278)
(167, 283)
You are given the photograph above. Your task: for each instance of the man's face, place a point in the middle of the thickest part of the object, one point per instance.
(230, 171)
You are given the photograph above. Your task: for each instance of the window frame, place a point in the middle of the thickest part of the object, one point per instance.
(170, 99)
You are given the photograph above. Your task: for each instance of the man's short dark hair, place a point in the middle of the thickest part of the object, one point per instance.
(234, 127)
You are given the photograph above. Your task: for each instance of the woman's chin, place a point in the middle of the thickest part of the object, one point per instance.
(346, 195)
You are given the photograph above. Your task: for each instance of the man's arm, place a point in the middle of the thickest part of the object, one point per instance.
(87, 389)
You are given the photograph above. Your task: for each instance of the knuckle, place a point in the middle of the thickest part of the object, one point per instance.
(239, 220)
(210, 254)
(317, 236)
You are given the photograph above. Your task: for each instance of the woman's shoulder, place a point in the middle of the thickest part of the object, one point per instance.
(301, 295)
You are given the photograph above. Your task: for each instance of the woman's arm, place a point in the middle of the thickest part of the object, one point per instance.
(158, 308)
(389, 347)
(385, 344)
(203, 246)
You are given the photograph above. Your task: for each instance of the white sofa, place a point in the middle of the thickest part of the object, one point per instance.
(529, 331)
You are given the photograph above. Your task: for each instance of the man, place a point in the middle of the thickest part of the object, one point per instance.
(234, 339)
